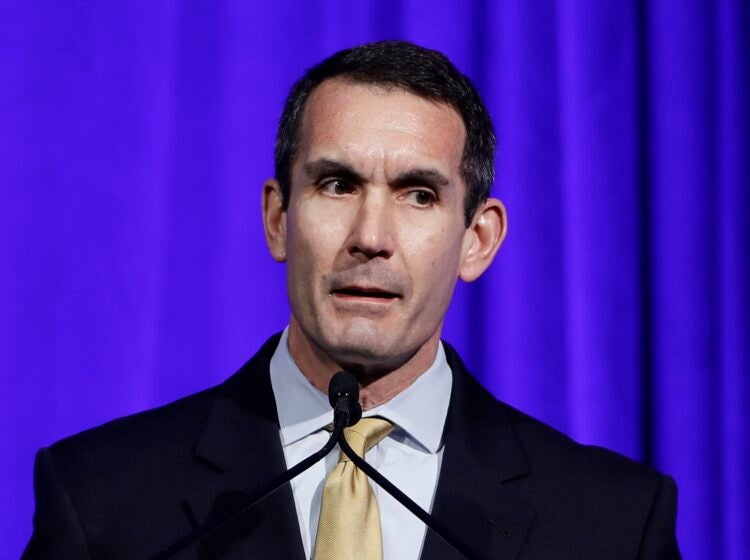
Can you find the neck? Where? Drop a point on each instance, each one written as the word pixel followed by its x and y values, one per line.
pixel 378 383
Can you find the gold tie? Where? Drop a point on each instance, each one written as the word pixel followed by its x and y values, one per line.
pixel 349 526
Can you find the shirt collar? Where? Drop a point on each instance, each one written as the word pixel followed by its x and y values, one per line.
pixel 419 410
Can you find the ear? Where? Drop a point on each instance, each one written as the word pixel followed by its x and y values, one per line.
pixel 274 219
pixel 482 239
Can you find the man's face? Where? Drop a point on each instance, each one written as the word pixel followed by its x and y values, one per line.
pixel 375 231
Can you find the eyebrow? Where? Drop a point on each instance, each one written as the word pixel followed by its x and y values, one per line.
pixel 429 177
pixel 325 167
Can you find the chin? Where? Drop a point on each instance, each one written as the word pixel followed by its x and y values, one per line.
pixel 362 345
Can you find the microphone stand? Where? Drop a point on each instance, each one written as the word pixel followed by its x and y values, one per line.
pixel 441 530
pixel 343 395
pixel 271 486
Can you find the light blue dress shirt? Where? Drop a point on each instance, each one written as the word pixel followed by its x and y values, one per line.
pixel 409 457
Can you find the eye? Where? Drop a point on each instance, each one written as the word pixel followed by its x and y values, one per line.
pixel 337 187
pixel 421 197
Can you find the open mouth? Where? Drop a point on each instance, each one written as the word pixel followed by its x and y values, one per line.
pixel 365 293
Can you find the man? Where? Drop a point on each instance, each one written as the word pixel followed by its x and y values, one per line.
pixel 384 161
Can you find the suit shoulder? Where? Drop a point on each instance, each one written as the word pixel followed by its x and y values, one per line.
pixel 159 433
pixel 542 441
pixel 569 469
pixel 547 451
pixel 593 489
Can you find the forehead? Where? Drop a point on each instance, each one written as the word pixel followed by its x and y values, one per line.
pixel 366 121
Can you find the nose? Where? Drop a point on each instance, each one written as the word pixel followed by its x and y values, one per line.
pixel 372 232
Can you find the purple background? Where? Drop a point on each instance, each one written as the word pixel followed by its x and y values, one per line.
pixel 134 140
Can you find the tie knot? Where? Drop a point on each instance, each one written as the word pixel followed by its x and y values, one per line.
pixel 366 434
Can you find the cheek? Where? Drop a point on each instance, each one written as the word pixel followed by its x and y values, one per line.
pixel 314 236
pixel 434 255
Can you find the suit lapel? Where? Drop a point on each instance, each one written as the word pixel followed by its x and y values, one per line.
pixel 481 454
pixel 240 440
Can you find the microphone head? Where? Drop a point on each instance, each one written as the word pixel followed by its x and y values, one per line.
pixel 343 393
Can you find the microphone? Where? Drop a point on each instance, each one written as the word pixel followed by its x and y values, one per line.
pixel 343 394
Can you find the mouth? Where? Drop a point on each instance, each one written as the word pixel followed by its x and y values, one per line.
pixel 360 293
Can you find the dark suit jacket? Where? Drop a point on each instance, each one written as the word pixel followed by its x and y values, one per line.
pixel 510 486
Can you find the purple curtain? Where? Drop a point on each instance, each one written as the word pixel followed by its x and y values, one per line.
pixel 134 138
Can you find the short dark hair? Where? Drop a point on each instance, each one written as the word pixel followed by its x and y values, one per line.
pixel 400 65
